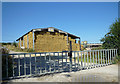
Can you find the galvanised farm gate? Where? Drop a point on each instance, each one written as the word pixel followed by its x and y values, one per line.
pixel 35 64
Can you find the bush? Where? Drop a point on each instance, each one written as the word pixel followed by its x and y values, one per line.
pixel 30 50
pixel 116 59
pixel 5 52
pixel 14 44
pixel 6 43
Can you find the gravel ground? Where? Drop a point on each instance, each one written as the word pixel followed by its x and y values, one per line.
pixel 102 74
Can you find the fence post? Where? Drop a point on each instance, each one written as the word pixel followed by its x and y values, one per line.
pixel 70 57
pixel 66 58
pixel 110 56
pixel 116 52
pixel 30 65
pixel 49 63
pixel 62 61
pixel 54 62
pixel 19 63
pixel 6 66
pixel 40 64
pixel 81 60
pixel 75 59
pixel 87 60
pixel 106 55
pixel 13 64
pixel 58 63
pixel 84 60
pixel 98 59
pixel 35 65
pixel 24 65
pixel 90 59
pixel 45 62
pixel 78 61
pixel 93 59
pixel 101 58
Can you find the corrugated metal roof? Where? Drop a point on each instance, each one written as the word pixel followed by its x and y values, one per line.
pixel 42 29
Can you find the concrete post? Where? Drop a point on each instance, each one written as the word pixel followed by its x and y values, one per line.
pixel 67 38
pixel 23 42
pixel 20 42
pixel 67 41
pixel 70 55
pixel 80 43
pixel 33 39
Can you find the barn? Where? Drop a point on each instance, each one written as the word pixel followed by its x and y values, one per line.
pixel 49 40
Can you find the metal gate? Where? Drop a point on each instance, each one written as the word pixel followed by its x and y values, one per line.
pixel 35 64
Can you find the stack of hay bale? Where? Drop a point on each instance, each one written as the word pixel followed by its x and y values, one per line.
pixel 25 41
pixel 30 37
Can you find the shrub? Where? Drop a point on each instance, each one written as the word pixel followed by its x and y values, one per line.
pixel 5 52
pixel 116 59
pixel 30 50
pixel 14 44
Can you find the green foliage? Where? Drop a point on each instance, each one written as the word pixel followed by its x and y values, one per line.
pixel 97 48
pixel 116 59
pixel 6 43
pixel 14 44
pixel 112 38
pixel 5 51
pixel 30 50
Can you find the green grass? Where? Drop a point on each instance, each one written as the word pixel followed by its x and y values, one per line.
pixel 91 59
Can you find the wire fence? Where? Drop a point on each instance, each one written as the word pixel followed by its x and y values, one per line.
pixel 35 64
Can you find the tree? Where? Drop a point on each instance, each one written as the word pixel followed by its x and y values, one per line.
pixel 15 44
pixel 112 38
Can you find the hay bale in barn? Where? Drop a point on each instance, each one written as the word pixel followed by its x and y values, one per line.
pixel 49 41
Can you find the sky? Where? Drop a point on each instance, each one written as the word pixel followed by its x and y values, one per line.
pixel 88 20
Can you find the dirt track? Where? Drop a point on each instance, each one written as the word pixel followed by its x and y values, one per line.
pixel 102 74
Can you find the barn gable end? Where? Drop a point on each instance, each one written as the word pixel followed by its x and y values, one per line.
pixel 49 40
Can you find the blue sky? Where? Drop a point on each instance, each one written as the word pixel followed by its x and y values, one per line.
pixel 89 20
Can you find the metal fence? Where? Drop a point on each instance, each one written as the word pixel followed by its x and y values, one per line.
pixel 35 64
